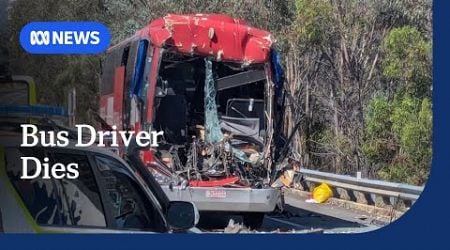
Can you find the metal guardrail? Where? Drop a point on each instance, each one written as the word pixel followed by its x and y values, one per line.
pixel 373 187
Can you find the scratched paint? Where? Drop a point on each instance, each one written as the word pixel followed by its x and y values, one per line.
pixel 221 37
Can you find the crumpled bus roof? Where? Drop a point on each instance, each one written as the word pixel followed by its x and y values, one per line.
pixel 223 37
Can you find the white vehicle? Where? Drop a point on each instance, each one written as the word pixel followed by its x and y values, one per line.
pixel 111 195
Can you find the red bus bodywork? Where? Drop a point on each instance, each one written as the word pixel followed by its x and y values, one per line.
pixel 219 37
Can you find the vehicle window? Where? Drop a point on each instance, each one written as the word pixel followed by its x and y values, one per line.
pixel 42 197
pixel 57 202
pixel 82 194
pixel 130 206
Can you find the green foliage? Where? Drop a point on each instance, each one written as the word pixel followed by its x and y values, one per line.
pixel 415 13
pixel 398 134
pixel 407 119
pixel 415 132
pixel 378 117
pixel 402 169
pixel 377 146
pixel 408 59
pixel 313 21
pixel 404 109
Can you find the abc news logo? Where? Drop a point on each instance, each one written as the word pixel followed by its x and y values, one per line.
pixel 64 38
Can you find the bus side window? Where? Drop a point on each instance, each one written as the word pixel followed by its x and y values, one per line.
pixel 138 67
pixel 114 58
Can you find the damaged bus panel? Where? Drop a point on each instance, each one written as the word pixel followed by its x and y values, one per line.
pixel 210 83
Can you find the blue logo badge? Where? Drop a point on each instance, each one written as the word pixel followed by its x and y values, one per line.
pixel 64 38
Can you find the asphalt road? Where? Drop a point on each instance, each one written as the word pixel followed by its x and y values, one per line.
pixel 299 216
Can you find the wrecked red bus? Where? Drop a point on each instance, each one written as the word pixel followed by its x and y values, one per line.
pixel 213 85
